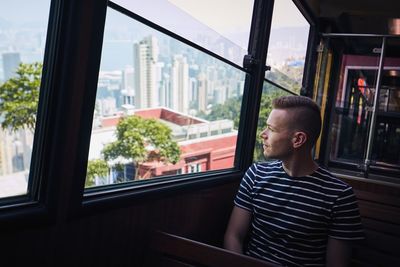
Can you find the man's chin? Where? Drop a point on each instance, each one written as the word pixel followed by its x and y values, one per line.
pixel 268 156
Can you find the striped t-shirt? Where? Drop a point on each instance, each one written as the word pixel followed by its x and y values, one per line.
pixel 294 216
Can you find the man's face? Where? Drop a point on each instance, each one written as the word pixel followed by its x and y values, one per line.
pixel 277 136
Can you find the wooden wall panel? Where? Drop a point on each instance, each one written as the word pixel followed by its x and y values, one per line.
pixel 118 237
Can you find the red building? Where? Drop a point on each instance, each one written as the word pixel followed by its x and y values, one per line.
pixel 204 145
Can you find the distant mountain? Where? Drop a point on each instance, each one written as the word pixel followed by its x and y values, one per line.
pixel 289 34
pixel 285 43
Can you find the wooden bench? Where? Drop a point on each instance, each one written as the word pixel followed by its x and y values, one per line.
pixel 380 212
pixel 381 220
pixel 169 250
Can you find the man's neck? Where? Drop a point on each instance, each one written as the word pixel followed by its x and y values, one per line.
pixel 299 166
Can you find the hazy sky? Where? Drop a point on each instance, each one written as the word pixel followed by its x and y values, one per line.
pixel 286 14
pixel 229 18
pixel 231 15
pixel 24 10
pixel 223 15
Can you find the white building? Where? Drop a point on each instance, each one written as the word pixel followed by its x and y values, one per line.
pixel 15 160
pixel 127 91
pixel 202 97
pixel 145 65
pixel 180 84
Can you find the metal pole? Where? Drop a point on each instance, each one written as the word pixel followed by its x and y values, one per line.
pixel 375 109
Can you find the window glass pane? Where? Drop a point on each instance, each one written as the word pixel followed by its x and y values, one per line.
pixel 268 94
pixel 386 145
pixel 162 108
pixel 221 26
pixel 22 42
pixel 287 45
pixel 354 98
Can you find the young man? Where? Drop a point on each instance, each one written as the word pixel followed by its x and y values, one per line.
pixel 296 213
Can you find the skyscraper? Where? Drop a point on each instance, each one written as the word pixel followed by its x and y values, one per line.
pixel 160 84
pixel 11 61
pixel 145 65
pixel 180 84
pixel 127 91
pixel 202 92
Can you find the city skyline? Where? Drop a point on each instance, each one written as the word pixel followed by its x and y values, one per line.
pixel 187 80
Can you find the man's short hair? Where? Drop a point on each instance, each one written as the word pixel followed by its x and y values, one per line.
pixel 306 115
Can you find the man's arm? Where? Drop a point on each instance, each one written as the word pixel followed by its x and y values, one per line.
pixel 237 229
pixel 338 253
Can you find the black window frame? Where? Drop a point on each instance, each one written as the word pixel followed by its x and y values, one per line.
pixel 120 195
pixel 67 100
pixel 34 204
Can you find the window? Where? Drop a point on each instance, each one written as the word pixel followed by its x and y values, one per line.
pixel 23 36
pixel 349 140
pixel 208 23
pixel 215 132
pixel 196 167
pixel 287 45
pixel 286 55
pixel 160 102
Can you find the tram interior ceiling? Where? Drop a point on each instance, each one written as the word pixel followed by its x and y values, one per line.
pixel 358 16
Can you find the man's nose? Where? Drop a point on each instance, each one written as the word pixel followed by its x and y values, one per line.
pixel 263 134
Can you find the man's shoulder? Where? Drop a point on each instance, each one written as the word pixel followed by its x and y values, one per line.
pixel 270 164
pixel 330 179
pixel 264 169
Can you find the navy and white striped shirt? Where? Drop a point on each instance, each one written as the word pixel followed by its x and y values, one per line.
pixel 294 216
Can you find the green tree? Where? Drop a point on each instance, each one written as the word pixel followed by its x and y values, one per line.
pixel 19 98
pixel 229 110
pixel 95 168
pixel 292 83
pixel 140 140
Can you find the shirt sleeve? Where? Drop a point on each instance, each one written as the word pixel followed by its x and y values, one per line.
pixel 244 196
pixel 345 217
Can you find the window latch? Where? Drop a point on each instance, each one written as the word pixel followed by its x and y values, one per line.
pixel 249 62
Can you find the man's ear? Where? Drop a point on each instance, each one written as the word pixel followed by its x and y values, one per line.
pixel 299 139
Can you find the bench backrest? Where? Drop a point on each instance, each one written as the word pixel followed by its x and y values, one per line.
pixel 173 251
pixel 381 220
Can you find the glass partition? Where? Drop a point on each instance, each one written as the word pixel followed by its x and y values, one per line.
pixel 386 144
pixel 357 86
pixel 354 99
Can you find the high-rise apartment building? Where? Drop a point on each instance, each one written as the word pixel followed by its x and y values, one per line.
pixel 193 94
pixel 127 91
pixel 145 65
pixel 160 84
pixel 202 92
pixel 11 60
pixel 15 151
pixel 180 84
